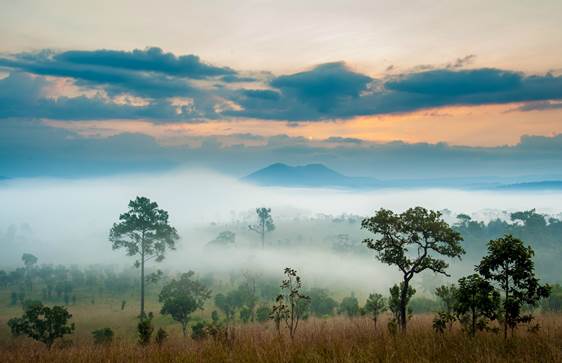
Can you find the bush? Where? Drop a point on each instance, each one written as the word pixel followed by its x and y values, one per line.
pixel 161 336
pixel 199 331
pixel 145 330
pixel 103 336
pixel 262 313
pixel 42 323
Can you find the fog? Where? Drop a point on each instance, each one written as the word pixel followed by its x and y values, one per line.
pixel 68 221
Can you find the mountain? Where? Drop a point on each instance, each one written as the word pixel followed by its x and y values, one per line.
pixel 539 185
pixel 311 175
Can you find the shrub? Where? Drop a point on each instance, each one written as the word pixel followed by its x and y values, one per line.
pixel 103 336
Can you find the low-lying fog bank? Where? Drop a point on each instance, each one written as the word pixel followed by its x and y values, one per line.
pixel 67 221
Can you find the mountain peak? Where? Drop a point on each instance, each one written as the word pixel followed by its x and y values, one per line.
pixel 310 175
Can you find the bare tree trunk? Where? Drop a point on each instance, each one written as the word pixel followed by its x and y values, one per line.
pixel 142 285
pixel 262 234
pixel 505 305
pixel 403 298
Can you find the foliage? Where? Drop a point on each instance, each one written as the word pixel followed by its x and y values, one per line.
pixel 262 313
pixel 291 304
pixel 510 265
pixel 321 303
pixel 181 297
pixel 349 306
pixel 375 306
pixel 199 330
pixel 394 301
pixel 143 231
pixel 224 239
pixel 265 223
pixel 417 229
pixel 145 330
pixel 161 336
pixel 103 336
pixel 42 323
pixel 476 303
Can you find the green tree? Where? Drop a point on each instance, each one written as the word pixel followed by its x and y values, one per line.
pixel 395 301
pixel 448 297
pixel 143 231
pixel 265 223
pixel 103 336
pixel 42 323
pixel 416 230
pixel 145 329
pixel 182 297
pixel 510 265
pixel 476 302
pixel 349 306
pixel 321 304
pixel 375 306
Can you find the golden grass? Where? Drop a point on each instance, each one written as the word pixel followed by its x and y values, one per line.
pixel 331 340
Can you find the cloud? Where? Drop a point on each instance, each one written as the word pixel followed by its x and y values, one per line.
pixel 327 91
pixel 31 148
pixel 150 59
pixel 22 95
pixel 443 82
pixel 461 62
pixel 540 106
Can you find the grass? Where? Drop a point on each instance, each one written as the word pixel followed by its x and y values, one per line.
pixel 336 339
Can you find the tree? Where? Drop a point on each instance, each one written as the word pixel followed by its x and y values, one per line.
pixel 265 223
pixel 224 239
pixel 29 262
pixel 42 323
pixel 349 306
pixel 510 265
pixel 143 231
pixel 476 302
pixel 395 301
pixel 419 230
pixel 145 329
pixel 291 304
pixel 375 306
pixel 321 304
pixel 448 298
pixel 182 297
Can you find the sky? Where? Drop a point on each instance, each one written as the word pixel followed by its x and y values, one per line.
pixel 401 89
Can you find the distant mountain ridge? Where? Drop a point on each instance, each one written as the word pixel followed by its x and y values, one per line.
pixel 311 175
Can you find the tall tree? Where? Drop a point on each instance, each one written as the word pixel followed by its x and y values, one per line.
pixel 265 223
pixel 182 297
pixel 510 265
pixel 29 262
pixel 419 230
pixel 143 231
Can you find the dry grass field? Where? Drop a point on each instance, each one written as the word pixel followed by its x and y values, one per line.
pixel 318 340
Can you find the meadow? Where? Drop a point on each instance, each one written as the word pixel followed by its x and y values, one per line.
pixel 335 339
